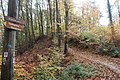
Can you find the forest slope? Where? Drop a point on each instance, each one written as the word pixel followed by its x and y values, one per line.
pixel 107 68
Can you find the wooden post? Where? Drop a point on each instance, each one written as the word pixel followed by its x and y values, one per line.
pixel 9 45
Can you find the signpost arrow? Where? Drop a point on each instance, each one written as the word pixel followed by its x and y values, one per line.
pixel 14 26
pixel 13 23
pixel 13 20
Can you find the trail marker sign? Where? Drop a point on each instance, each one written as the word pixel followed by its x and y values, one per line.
pixel 14 20
pixel 14 24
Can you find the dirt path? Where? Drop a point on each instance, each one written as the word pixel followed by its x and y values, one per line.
pixel 106 66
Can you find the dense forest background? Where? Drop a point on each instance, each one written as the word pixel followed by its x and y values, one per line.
pixel 57 32
pixel 40 17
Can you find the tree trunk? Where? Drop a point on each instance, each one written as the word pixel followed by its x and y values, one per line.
pixel 38 18
pixel 26 29
pixel 32 27
pixel 41 19
pixel 50 13
pixel 111 22
pixel 27 18
pixel 66 27
pixel 2 8
pixel 58 28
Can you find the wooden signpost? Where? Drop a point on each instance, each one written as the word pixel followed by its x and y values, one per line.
pixel 7 68
pixel 11 26
pixel 14 24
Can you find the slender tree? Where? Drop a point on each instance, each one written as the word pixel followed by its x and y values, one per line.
pixel 58 28
pixel 111 22
pixel 41 20
pixel 66 27
pixel 26 28
pixel 27 19
pixel 2 8
pixel 50 13
pixel 32 27
pixel 38 17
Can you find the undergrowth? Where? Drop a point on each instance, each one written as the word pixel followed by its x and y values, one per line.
pixel 76 71
pixel 49 68
pixel 98 40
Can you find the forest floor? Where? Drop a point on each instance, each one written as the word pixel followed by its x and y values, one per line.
pixel 107 68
